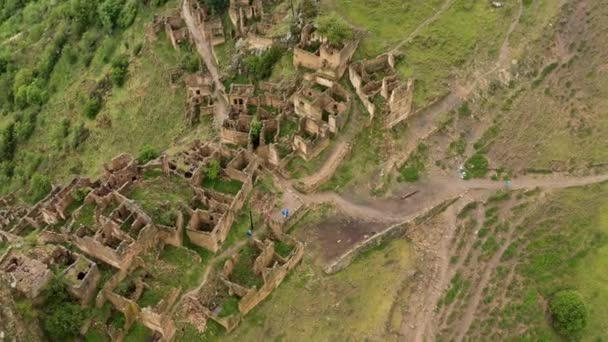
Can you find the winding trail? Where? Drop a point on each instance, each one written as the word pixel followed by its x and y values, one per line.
pixel 422 25
pixel 312 182
pixel 422 123
pixel 204 49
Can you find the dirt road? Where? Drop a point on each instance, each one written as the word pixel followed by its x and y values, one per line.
pixel 204 49
pixel 312 182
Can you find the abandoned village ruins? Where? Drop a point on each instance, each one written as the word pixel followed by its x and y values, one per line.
pixel 114 223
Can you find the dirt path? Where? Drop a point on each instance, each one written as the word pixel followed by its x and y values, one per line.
pixel 312 182
pixel 204 49
pixel 469 314
pixel 422 25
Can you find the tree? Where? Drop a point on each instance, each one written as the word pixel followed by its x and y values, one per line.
pixel 40 186
pixel 92 107
pixel 335 29
pixel 120 69
pixel 147 153
pixel 83 12
pixel 62 316
pixel 569 313
pixel 476 166
pixel 213 170
pixel 218 7
pixel 109 13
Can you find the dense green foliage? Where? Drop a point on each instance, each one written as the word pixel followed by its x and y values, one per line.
pixel 569 313
pixel 213 169
pixel 260 67
pixel 120 68
pixel 62 317
pixel 147 153
pixel 335 29
pixel 476 166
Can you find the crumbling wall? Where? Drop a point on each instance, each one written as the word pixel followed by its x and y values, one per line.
pixel 400 104
pixel 306 59
pixel 357 82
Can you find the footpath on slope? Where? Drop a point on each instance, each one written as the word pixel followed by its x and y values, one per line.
pixel 204 49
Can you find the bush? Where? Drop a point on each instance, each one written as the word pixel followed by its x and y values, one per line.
pixel 335 29
pixel 128 14
pixel 213 170
pixel 190 62
pixel 83 12
pixel 120 69
pixel 109 13
pixel 147 153
pixel 218 7
pixel 476 166
pixel 260 67
pixel 62 316
pixel 569 313
pixel 40 186
pixel 92 107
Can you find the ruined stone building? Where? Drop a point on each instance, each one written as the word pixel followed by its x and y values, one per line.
pixel 157 317
pixel 211 27
pixel 212 212
pixel 323 112
pixel 377 77
pixel 268 265
pixel 316 54
pixel 243 12
pixel 200 100
pixel 254 120
pixel 30 271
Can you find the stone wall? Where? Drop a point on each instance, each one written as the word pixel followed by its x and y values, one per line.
pixel 400 104
pixel 303 58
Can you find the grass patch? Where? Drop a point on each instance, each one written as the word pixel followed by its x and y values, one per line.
pixel 223 185
pixel 160 195
pixel 365 301
pixel 414 166
pixel 243 270
pixel 448 44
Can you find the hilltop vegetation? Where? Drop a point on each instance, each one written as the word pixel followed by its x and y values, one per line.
pixel 80 81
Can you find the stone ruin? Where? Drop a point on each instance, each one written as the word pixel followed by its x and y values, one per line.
pixel 315 53
pixel 157 317
pixel 269 108
pixel 377 76
pixel 263 262
pixel 10 212
pixel 243 13
pixel 200 100
pixel 323 112
pixel 30 271
pixel 212 213
pixel 176 30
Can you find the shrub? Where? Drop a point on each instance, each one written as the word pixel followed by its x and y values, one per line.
pixel 147 153
pixel 334 28
pixel 128 14
pixel 213 170
pixel 476 166
pixel 217 6
pixel 79 135
pixel 92 107
pixel 40 186
pixel 8 143
pixel 109 12
pixel 120 69
pixel 568 313
pixel 62 316
pixel 83 12
pixel 260 67
pixel 190 62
